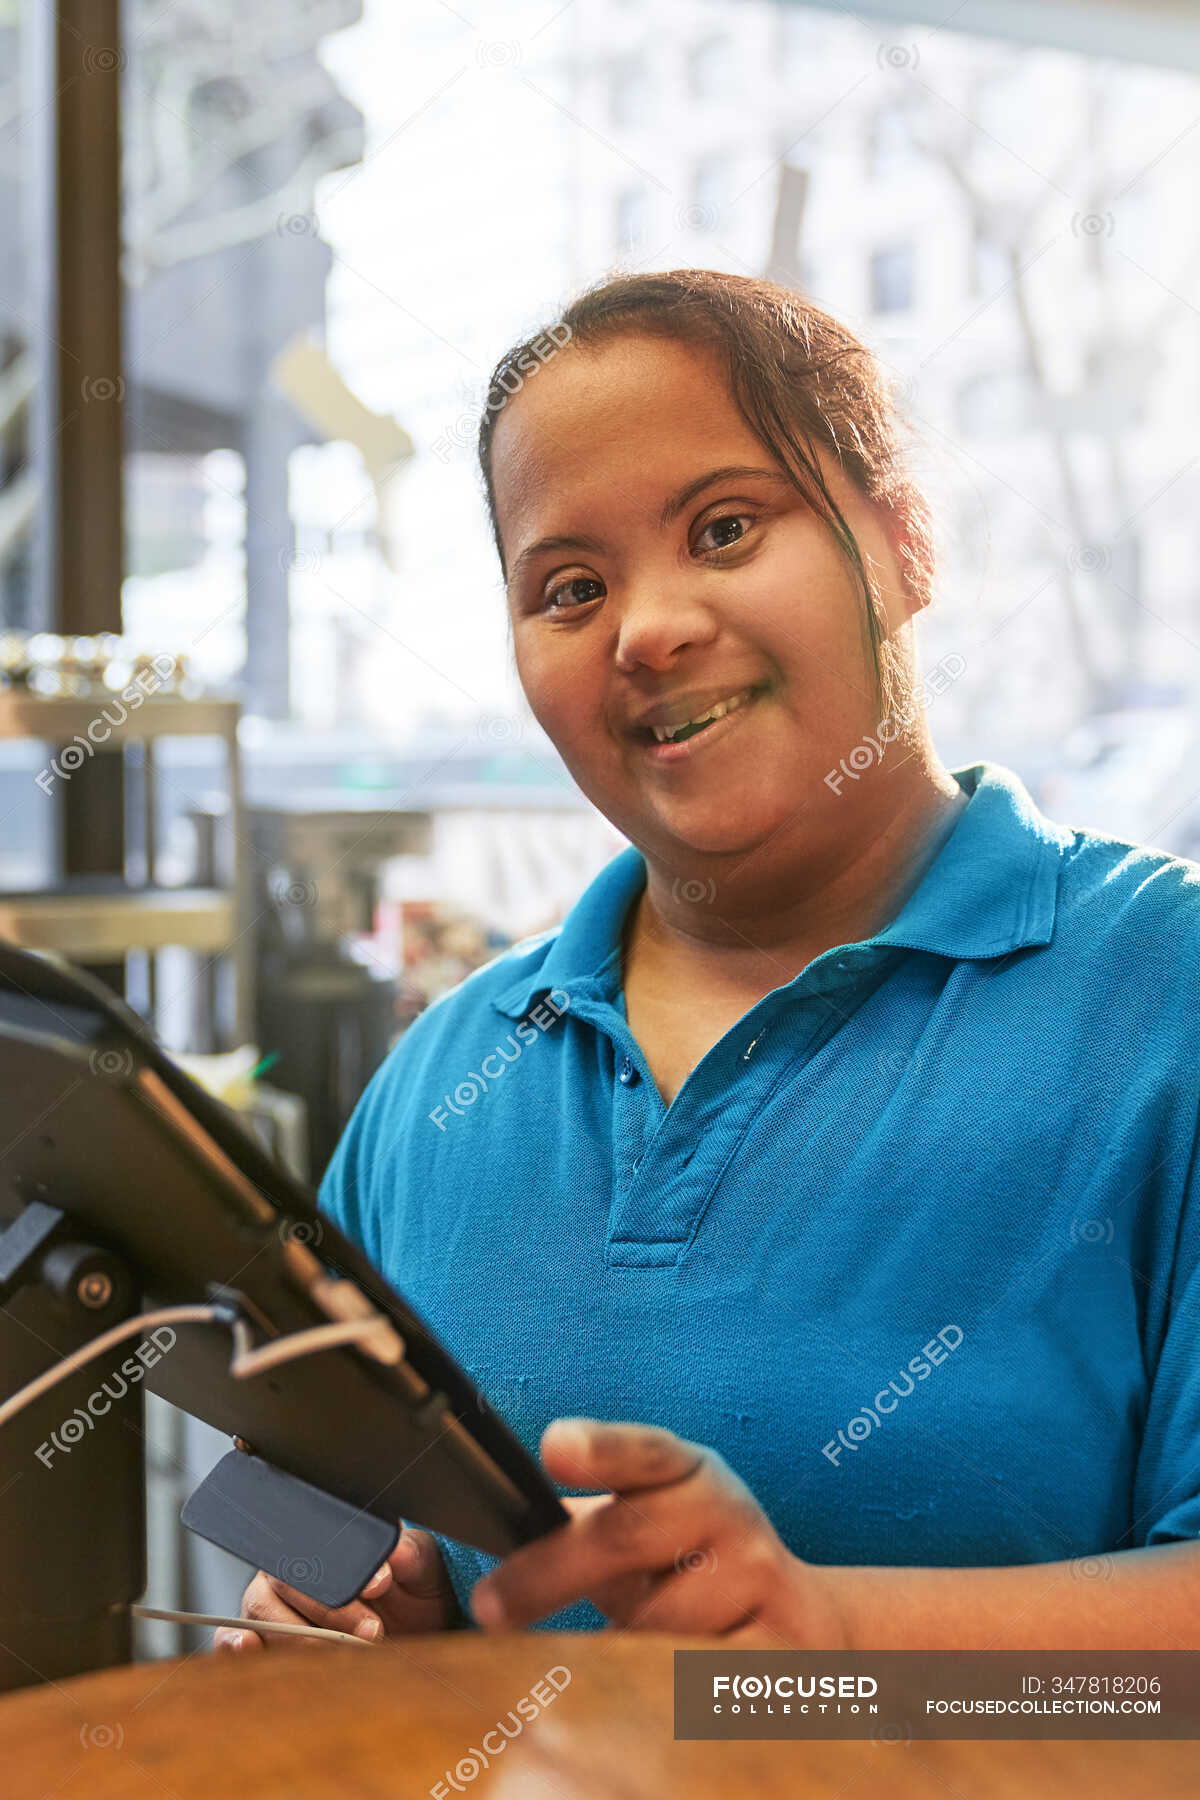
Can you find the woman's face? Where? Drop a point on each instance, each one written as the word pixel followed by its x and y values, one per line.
pixel 661 564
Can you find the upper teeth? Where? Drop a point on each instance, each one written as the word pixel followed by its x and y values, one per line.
pixel 664 733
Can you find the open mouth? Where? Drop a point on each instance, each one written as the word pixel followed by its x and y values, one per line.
pixel 675 734
pixel 666 742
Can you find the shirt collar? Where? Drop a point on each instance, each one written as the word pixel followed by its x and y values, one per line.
pixel 991 889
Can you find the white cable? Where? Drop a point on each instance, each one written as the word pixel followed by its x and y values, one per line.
pixel 259 1625
pixel 167 1315
pixel 245 1362
pixel 306 1343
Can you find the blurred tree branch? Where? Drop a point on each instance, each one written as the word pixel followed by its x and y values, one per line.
pixel 229 123
pixel 1108 395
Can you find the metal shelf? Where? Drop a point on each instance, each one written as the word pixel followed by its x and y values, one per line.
pixel 100 920
pixel 58 721
pixel 96 926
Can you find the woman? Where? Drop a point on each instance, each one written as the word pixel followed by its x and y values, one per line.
pixel 845 1132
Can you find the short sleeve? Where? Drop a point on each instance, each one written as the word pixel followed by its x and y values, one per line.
pixel 1167 1484
pixel 347 1198
pixel 348 1194
pixel 357 1193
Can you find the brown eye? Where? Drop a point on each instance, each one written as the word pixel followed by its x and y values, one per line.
pixel 578 591
pixel 729 529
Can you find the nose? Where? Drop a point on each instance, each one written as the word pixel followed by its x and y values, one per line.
pixel 660 619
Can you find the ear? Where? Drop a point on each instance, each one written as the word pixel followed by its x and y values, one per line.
pixel 902 540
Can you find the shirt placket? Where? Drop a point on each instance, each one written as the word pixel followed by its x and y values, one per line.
pixel 668 1161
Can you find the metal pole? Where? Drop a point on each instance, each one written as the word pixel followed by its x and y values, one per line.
pixel 77 429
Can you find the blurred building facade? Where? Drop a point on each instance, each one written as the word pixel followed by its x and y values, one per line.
pixel 1000 222
pixel 229 120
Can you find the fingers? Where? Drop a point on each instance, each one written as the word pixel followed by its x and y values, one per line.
pixel 380 1581
pixel 421 1598
pixel 416 1565
pixel 226 1638
pixel 623 1600
pixel 410 1592
pixel 593 1453
pixel 695 1599
pixel 619 1539
pixel 679 1511
pixel 269 1599
pixel 274 1599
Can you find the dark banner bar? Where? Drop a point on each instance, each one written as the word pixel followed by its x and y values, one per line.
pixel 896 1696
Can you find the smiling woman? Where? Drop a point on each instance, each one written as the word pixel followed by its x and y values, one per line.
pixel 714 556
pixel 800 381
pixel 850 1064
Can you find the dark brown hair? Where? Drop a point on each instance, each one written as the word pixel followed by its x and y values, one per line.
pixel 800 379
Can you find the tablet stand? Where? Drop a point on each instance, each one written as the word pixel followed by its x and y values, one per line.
pixel 120 1177
pixel 72 1509
pixel 72 1502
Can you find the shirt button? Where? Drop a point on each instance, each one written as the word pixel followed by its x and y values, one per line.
pixel 627 1072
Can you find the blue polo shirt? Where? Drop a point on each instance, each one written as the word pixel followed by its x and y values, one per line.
pixel 916 1245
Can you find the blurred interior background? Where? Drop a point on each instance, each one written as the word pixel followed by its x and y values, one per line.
pixel 255 265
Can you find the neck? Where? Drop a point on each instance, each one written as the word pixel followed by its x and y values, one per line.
pixel 765 914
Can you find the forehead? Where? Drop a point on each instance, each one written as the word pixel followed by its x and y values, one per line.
pixel 629 421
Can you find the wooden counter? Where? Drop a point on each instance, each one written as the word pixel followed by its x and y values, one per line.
pixel 314 1722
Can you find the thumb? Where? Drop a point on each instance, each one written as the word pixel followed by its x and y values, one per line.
pixel 568 1455
pixel 416 1563
pixel 621 1457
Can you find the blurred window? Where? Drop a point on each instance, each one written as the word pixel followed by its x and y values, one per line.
pixel 995 403
pixel 890 147
pixel 990 266
pixel 892 278
pixel 629 95
pixel 632 218
pixel 710 67
pixel 711 191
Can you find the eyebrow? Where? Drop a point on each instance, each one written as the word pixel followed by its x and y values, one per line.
pixel 556 543
pixel 670 512
pixel 734 472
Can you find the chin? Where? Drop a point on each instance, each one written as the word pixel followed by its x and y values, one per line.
pixel 731 822
pixel 734 827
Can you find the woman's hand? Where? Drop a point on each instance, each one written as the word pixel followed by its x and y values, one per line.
pixel 410 1593
pixel 678 1544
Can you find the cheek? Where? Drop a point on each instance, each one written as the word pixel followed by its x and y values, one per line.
pixel 559 681
pixel 805 611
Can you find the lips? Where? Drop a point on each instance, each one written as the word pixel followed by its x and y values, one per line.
pixel 662 723
pixel 694 739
